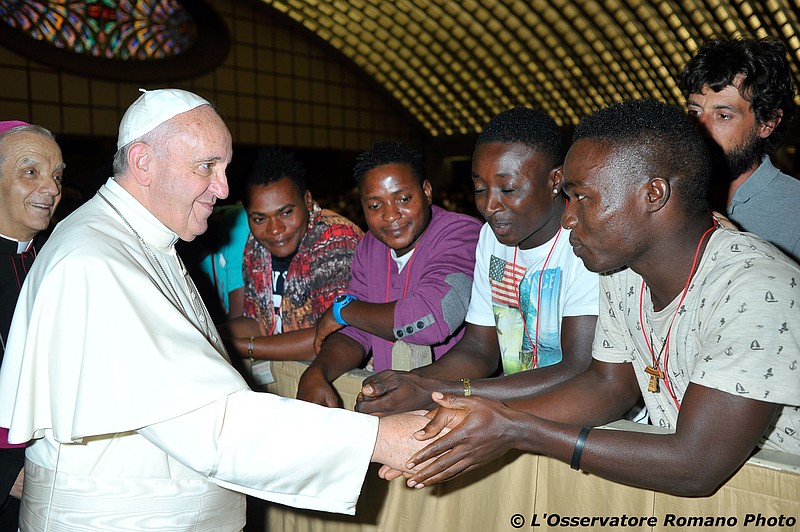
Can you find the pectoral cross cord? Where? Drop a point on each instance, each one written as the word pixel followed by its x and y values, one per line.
pixel 654 369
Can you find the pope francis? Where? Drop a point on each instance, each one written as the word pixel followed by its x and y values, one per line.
pixel 117 377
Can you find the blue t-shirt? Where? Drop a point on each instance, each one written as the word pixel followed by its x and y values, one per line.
pixel 224 265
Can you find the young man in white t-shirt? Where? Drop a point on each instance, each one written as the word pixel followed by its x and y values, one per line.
pixel 534 305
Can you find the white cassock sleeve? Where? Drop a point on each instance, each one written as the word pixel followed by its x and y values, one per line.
pixel 282 450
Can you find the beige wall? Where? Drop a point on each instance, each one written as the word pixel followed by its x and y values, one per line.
pixel 278 85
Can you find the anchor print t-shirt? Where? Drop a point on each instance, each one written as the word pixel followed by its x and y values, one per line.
pixel 737 330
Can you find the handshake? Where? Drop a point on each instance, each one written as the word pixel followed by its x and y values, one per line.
pixel 428 437
pixel 428 447
pixel 401 443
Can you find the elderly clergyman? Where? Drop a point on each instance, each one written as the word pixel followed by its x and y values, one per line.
pixel 117 375
pixel 31 170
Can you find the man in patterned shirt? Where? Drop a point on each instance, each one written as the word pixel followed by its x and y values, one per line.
pixel 296 261
pixel 699 320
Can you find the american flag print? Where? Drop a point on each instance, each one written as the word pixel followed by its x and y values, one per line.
pixel 504 278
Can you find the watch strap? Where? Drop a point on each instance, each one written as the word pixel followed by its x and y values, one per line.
pixel 338 304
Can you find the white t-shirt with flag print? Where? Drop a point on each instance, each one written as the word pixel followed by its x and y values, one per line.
pixel 504 289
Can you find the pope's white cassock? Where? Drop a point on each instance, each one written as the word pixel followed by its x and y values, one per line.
pixel 138 420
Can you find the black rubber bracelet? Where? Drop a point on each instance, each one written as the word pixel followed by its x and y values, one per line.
pixel 575 463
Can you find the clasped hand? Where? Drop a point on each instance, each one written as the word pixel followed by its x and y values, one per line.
pixel 466 432
pixel 392 392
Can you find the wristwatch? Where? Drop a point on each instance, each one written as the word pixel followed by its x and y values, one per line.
pixel 338 304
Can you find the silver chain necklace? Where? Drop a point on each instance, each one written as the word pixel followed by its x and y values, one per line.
pixel 150 252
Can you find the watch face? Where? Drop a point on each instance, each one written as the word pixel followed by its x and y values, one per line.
pixel 340 298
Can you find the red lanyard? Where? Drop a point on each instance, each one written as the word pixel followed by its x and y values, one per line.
pixel 389 272
pixel 534 345
pixel 665 348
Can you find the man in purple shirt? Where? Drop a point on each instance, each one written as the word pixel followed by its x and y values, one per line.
pixel 410 281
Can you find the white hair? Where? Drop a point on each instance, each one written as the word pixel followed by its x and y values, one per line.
pixel 27 128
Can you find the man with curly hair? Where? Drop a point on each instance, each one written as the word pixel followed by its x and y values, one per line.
pixel 740 93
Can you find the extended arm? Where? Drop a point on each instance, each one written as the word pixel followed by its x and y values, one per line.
pixel 681 463
pixel 374 318
pixel 339 355
pixel 292 345
pixel 576 339
pixel 475 356
pixel 317 459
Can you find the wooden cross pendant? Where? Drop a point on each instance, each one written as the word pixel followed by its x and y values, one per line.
pixel 655 374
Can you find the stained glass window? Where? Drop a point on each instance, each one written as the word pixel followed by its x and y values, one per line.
pixel 124 40
pixel 128 30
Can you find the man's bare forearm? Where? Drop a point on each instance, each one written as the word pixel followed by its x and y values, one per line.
pixel 475 356
pixel 374 318
pixel 339 354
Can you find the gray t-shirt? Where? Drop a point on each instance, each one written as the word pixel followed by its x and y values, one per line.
pixel 766 204
pixel 738 331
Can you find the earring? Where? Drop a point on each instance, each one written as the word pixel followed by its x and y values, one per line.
pixel 555 191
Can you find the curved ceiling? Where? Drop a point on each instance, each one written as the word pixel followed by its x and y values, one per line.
pixel 455 64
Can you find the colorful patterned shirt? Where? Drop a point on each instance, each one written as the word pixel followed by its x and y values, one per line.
pixel 319 271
